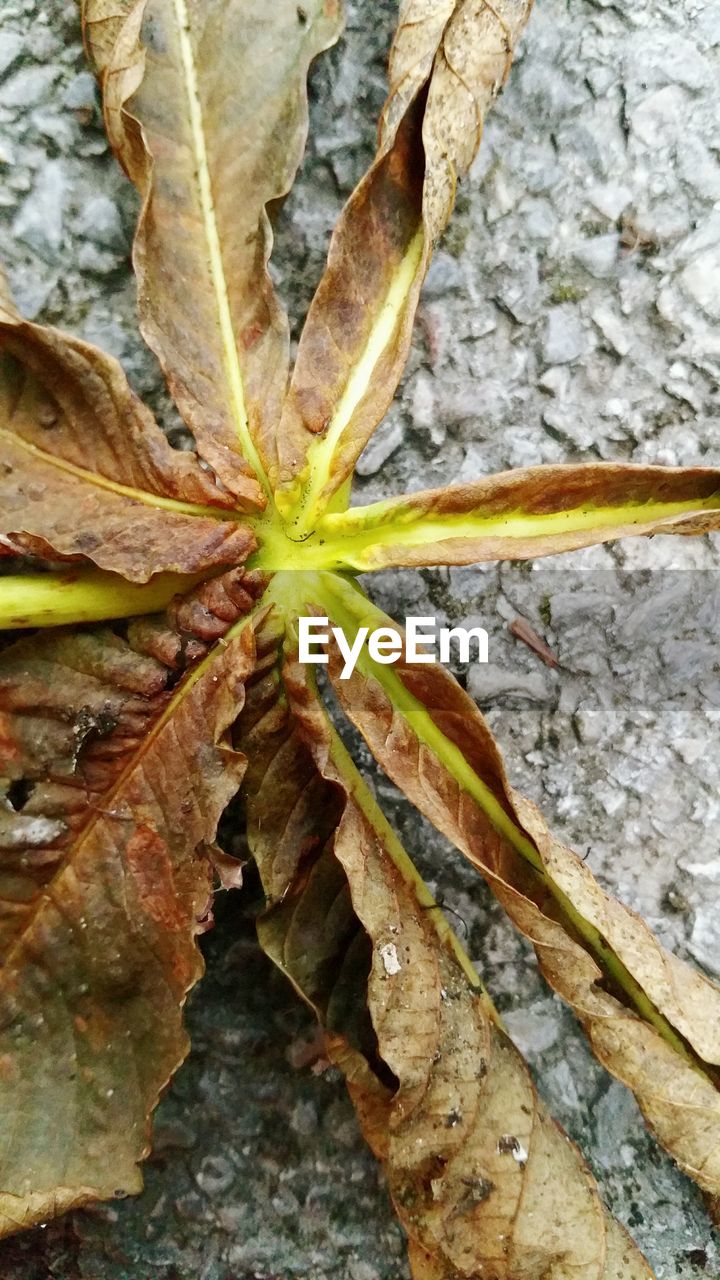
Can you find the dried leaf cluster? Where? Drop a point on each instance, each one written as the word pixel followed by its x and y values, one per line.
pixel 122 744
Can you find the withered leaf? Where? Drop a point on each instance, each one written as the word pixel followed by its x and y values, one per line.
pixel 652 1020
pixel 448 62
pixel 483 1181
pixel 113 783
pixel 86 472
pixel 523 514
pixel 206 109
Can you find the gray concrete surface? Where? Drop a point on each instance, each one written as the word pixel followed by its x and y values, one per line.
pixel 571 314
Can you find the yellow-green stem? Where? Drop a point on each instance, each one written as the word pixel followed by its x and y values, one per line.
pixel 58 599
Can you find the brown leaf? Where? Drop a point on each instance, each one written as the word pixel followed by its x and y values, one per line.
pixel 206 109
pixel 57 389
pixel 652 1020
pixel 483 1181
pixel 523 514
pixel 114 784
pixel 86 472
pixel 447 64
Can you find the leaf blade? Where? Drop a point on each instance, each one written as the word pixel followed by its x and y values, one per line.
pixel 57 388
pixel 103 890
pixel 88 473
pixel 652 1020
pixel 524 514
pixel 207 178
pixel 348 921
pixel 357 334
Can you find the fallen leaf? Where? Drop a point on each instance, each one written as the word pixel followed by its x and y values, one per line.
pixel 481 1178
pixel 115 741
pixel 524 514
pixel 206 108
pixel 448 62
pixel 114 782
pixel 120 496
pixel 651 1019
pixel 522 630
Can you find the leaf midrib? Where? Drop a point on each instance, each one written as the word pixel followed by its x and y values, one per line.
pixel 395 523
pixel 323 450
pixel 148 499
pixel 228 340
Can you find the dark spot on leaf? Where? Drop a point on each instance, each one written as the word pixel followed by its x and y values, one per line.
pixel 90 725
pixel 418 1188
pixel 478 1189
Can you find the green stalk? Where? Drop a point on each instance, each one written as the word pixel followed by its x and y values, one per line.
pixel 58 599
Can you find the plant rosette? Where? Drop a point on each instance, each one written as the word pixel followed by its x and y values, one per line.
pixel 158 673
